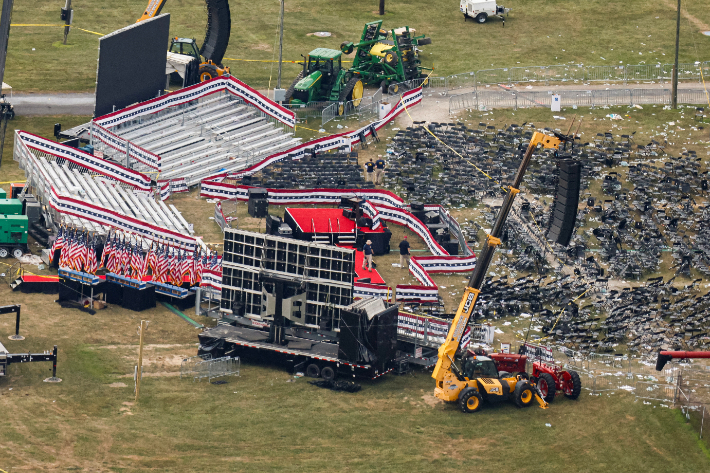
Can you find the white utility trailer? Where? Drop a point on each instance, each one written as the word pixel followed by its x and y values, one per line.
pixel 481 10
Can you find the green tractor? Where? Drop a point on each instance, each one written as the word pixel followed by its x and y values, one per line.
pixel 323 79
pixel 386 57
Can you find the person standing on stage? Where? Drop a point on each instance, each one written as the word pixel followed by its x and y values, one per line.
pixel 367 259
pixel 380 171
pixel 404 252
pixel 369 171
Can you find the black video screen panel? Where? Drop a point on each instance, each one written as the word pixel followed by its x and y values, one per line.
pixel 132 64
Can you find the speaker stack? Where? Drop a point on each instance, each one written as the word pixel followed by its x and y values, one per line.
pixel 564 214
pixel 272 224
pixel 258 206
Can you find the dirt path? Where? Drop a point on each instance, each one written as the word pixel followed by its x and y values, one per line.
pixel 673 6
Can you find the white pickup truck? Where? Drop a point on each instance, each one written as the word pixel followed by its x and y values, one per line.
pixel 481 10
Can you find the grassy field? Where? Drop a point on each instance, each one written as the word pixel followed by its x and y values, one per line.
pixel 266 420
pixel 537 32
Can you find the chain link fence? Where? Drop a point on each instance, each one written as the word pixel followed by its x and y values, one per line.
pixel 488 99
pixel 558 74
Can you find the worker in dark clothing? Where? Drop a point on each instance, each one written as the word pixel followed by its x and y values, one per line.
pixel 380 171
pixel 367 260
pixel 404 252
pixel 369 171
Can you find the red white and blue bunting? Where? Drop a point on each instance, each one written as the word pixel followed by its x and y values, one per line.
pixel 419 266
pixel 91 163
pixel 203 89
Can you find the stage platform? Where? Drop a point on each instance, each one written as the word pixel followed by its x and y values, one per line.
pixel 326 221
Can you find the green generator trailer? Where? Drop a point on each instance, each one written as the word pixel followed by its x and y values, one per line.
pixel 13 235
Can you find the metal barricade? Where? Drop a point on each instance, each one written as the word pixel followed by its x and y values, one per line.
pixel 187 367
pixel 329 113
pixel 216 368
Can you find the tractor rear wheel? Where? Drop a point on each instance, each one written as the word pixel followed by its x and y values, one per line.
pixel 352 91
pixel 573 386
pixel 207 72
pixel 470 401
pixel 523 394
pixel 289 91
pixel 546 383
pixel 424 41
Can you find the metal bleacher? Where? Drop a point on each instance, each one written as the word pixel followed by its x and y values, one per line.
pixel 72 180
pixel 206 136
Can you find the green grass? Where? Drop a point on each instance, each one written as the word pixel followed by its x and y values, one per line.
pixel 261 422
pixel 537 32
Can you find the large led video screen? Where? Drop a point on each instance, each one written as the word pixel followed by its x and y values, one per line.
pixel 132 64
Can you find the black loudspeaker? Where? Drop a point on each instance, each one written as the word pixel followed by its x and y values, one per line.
pixel 452 247
pixel 69 290
pixel 272 224
pixel 564 214
pixel 258 193
pixel 258 208
pixel 114 294
pixel 417 207
pixel 431 218
pixel 138 299
pixel 348 213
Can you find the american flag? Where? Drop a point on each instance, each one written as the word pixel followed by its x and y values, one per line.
pixel 66 249
pixel 58 243
pixel 136 261
pixel 82 252
pixel 106 251
pixel 145 263
pixel 196 258
pixel 216 262
pixel 162 264
pixel 111 257
pixel 91 266
pixel 124 268
pixel 185 265
pixel 174 268
pixel 74 250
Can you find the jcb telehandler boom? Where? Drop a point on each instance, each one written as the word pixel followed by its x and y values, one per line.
pixel 454 384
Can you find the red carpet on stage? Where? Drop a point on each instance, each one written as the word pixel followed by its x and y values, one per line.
pixel 326 221
pixel 30 278
pixel 374 276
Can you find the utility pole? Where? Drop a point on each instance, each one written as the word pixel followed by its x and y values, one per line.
pixel 281 44
pixel 382 7
pixel 674 93
pixel 66 16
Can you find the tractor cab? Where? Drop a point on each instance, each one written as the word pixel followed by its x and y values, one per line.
pixel 185 46
pixel 322 71
pixel 475 367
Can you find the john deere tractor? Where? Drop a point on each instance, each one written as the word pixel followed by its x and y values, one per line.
pixel 382 58
pixel 323 79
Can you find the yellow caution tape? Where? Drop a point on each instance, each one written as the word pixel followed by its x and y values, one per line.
pixel 57 26
pixel 12 182
pixel 310 129
pixel 263 60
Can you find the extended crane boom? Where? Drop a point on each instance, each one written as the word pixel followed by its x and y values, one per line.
pixel 666 356
pixel 448 349
pixel 152 10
